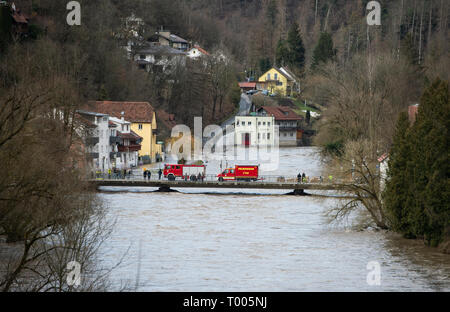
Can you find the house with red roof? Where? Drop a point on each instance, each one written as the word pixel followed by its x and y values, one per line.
pixel 143 122
pixel 288 121
pixel 197 52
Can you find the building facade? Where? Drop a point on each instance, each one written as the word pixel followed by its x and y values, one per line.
pixel 127 144
pixel 95 131
pixel 143 122
pixel 289 123
pixel 254 131
pixel 278 81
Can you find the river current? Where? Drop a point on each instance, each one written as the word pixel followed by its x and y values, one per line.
pixel 257 240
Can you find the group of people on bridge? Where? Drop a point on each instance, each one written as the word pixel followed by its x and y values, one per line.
pixel 148 174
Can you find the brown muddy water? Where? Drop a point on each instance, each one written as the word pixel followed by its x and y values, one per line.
pixel 257 240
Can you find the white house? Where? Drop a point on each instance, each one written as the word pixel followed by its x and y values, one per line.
pixel 197 52
pixel 254 130
pixel 159 56
pixel 127 144
pixel 96 133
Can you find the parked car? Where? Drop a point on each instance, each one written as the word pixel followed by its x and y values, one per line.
pixel 265 92
pixel 251 92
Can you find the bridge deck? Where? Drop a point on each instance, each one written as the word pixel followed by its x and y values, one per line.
pixel 216 184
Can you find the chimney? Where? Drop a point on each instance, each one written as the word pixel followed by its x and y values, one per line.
pixel 123 116
pixel 413 110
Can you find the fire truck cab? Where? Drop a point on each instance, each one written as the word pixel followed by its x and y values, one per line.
pixel 172 172
pixel 239 173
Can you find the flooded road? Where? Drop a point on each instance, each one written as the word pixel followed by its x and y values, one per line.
pixel 260 241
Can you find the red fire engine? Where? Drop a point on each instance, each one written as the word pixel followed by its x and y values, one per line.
pixel 172 172
pixel 240 173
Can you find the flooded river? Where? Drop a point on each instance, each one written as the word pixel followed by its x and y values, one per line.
pixel 251 240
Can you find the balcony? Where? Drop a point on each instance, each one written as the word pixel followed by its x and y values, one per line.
pixel 114 140
pixel 288 128
pixel 92 140
pixel 129 148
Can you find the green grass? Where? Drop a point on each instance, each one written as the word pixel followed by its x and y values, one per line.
pixel 301 107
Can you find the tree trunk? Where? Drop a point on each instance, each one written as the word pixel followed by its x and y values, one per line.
pixel 420 33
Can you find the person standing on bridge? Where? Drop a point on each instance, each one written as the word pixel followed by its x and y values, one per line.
pixel 159 174
pixel 304 177
pixel 149 175
pixel 299 177
pixel 145 173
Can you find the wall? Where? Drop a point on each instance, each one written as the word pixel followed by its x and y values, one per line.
pixel 146 134
pixel 272 87
pixel 254 129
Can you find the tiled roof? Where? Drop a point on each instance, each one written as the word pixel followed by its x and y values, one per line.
pixel 133 111
pixel 282 71
pixel 201 50
pixel 174 38
pixel 19 18
pixel 383 157
pixel 159 50
pixel 247 84
pixel 281 112
pixel 131 136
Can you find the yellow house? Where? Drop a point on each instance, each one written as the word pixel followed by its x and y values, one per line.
pixel 143 122
pixel 278 80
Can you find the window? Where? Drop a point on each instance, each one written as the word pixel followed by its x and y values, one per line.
pixel 243 123
pixel 268 76
pixel 268 124
pixel 259 136
pixel 264 136
pixel 249 123
pixel 268 136
pixel 264 123
pixel 140 127
pixel 276 77
pixel 142 56
pixel 259 123
pixel 237 123
pixel 285 134
pixel 292 134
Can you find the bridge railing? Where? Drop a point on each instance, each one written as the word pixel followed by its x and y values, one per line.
pixel 213 178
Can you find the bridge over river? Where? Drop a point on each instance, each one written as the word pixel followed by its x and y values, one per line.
pixel 273 183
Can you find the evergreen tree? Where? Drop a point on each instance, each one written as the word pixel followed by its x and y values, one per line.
pixel 282 53
pixel 296 49
pixel 417 193
pixel 265 64
pixel 324 50
pixel 396 193
pixel 431 183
